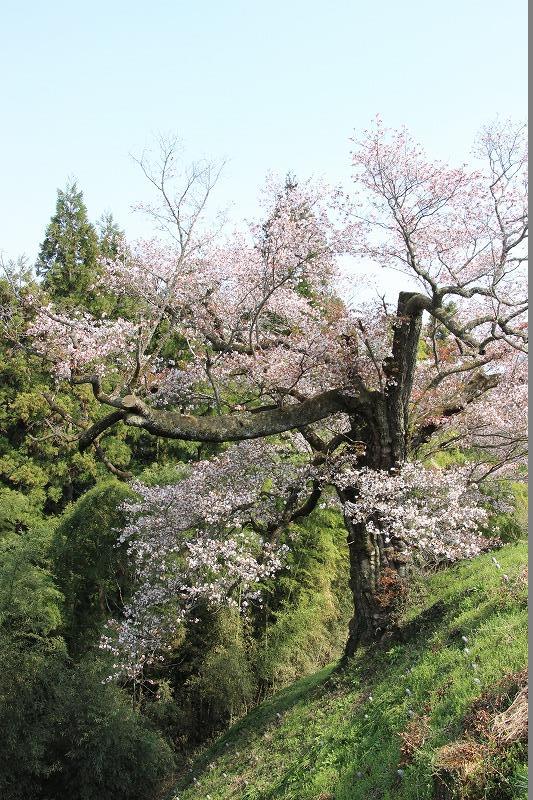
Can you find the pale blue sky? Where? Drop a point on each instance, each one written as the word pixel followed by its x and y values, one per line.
pixel 277 85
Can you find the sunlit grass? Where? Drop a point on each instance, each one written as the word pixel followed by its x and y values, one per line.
pixel 335 735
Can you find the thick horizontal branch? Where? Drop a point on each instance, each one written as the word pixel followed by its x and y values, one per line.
pixel 419 302
pixel 246 425
pixel 91 434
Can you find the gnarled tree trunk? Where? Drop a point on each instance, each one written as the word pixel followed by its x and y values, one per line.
pixel 378 574
pixel 377 582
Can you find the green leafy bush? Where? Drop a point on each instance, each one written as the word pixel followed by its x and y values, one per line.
pixel 64 732
pixel 309 605
pixel 91 571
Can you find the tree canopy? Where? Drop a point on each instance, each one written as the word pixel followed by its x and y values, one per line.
pixel 247 335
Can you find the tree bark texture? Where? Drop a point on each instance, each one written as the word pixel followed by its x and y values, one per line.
pixel 378 575
pixel 377 583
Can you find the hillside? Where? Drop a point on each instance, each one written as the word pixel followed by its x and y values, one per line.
pixel 403 721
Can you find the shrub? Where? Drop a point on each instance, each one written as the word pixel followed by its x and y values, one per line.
pixel 65 733
pixel 91 571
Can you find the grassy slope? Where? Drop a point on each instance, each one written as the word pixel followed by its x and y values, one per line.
pixel 335 736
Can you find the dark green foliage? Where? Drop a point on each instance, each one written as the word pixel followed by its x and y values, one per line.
pixel 66 733
pixel 211 678
pixel 30 603
pixel 71 254
pixel 27 691
pixel 308 605
pixel 107 749
pixel 32 460
pixel 109 236
pixel 91 571
pixel 225 682
pixel 68 259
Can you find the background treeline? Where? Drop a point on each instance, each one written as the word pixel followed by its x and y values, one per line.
pixel 65 729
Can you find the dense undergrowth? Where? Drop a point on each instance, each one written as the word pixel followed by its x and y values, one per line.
pixel 408 720
pixel 64 729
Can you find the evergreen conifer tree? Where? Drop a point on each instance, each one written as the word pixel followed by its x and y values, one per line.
pixel 109 236
pixel 68 258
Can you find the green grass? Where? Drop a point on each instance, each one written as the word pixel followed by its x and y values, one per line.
pixel 335 735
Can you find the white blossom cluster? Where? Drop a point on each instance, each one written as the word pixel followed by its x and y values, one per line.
pixel 193 543
pixel 434 514
pixel 74 344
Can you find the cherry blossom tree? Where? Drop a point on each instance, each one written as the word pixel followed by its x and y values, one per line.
pixel 210 538
pixel 263 343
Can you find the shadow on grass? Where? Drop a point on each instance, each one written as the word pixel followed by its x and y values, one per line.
pixel 254 724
